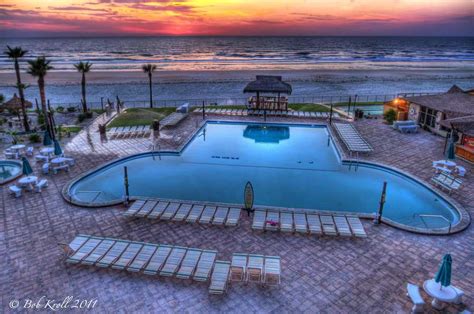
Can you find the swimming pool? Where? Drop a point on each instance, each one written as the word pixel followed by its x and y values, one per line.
pixel 291 166
pixel 9 170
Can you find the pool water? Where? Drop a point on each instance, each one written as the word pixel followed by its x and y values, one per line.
pixel 368 109
pixel 9 170
pixel 291 166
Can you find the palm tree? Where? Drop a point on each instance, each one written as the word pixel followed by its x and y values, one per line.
pixel 83 67
pixel 15 54
pixel 39 68
pixel 149 68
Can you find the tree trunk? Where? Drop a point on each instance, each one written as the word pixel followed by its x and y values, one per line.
pixel 151 90
pixel 26 125
pixel 83 85
pixel 43 104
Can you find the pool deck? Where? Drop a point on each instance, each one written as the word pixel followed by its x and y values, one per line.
pixel 329 274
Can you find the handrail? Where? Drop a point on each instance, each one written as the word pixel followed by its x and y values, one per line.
pixel 98 194
pixel 433 216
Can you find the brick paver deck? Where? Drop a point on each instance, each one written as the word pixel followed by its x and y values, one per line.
pixel 331 275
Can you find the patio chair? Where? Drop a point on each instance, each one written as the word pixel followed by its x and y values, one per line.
pixel 272 222
pixel 219 278
pixel 158 260
pixel 327 222
pixel 41 158
pixel 170 211
pixel 195 213
pixel 41 185
pixel 98 252
pixel 173 261
pixel 342 226
pixel 259 217
pixel 158 210
pixel 207 214
pixel 127 257
pixel 233 217
pixel 142 259
pixel 189 264
pixel 356 226
pixel 301 225
pixel 286 224
pixel 220 216
pixel 238 267
pixel 460 170
pixel 182 212
pixel 29 151
pixel 272 271
pixel 62 167
pixel 204 266
pixel 45 168
pixel 136 206
pixel 15 190
pixel 413 292
pixel 255 268
pixel 113 254
pixel 147 208
pixel 314 224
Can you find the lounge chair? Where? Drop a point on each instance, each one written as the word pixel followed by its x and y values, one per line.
pixel 173 261
pixel 207 214
pixel 286 222
pixel 84 250
pixel 447 182
pixel 113 254
pixel 128 256
pixel 146 209
pixel 158 210
pixel 136 206
pixel 259 217
pixel 41 185
pixel 255 268
pixel 272 222
pixel 301 225
pixel 329 228
pixel 189 264
pixel 233 217
pixel 314 224
pixel 342 226
pixel 142 259
pixel 272 271
pixel 170 211
pixel 15 190
pixel 413 292
pixel 182 212
pixel 238 267
pixel 98 252
pixel 204 266
pixel 219 277
pixel 158 260
pixel 220 216
pixel 195 213
pixel 356 226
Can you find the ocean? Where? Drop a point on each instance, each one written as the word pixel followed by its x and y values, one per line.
pixel 432 64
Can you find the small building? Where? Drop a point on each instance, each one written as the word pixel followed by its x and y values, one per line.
pixel 463 126
pixel 268 90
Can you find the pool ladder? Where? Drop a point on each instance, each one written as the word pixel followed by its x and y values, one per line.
pixel 433 216
pixel 153 149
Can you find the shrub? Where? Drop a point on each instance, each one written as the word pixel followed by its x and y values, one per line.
pixel 88 114
pixel 390 116
pixel 71 109
pixel 60 109
pixel 34 138
pixel 81 117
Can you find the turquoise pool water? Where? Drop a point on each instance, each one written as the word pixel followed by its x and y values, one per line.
pixel 293 166
pixel 9 170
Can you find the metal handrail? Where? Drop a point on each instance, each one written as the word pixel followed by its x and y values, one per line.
pixel 98 194
pixel 433 216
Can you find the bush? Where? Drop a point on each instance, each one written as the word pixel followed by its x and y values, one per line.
pixel 60 109
pixel 81 117
pixel 88 114
pixel 71 109
pixel 390 116
pixel 34 138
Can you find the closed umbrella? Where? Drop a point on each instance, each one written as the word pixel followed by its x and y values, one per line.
pixel 450 155
pixel 47 139
pixel 57 148
pixel 27 170
pixel 443 276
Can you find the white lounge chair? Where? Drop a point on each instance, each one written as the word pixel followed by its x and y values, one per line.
pixel 15 190
pixel 413 292
pixel 41 185
pixel 219 278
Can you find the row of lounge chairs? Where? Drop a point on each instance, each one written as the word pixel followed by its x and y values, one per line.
pixel 129 131
pixel 248 112
pixel 447 182
pixel 173 119
pixel 306 222
pixel 185 212
pixel 351 138
pixel 255 268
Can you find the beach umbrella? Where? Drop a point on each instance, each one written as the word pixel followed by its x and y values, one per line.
pixel 47 139
pixel 450 154
pixel 57 148
pixel 27 170
pixel 443 276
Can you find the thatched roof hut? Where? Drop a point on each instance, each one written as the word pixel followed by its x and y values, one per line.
pixel 465 124
pixel 268 84
pixel 15 104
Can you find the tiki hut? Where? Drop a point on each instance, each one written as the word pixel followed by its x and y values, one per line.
pixel 14 104
pixel 268 84
pixel 463 126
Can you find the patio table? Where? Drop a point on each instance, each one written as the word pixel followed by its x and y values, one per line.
pixel 17 147
pixel 439 294
pixel 58 160
pixel 28 181
pixel 47 150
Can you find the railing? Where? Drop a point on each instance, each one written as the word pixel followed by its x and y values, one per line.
pixel 422 216
pixel 98 193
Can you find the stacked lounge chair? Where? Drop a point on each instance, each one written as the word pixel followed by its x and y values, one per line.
pixel 129 132
pixel 220 277
pixel 255 268
pixel 352 139
pixel 447 182
pixel 408 126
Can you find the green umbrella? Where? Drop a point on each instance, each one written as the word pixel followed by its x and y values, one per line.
pixel 57 148
pixel 27 170
pixel 443 276
pixel 47 139
pixel 450 155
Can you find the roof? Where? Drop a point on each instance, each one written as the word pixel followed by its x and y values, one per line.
pixel 268 84
pixel 464 124
pixel 455 102
pixel 15 103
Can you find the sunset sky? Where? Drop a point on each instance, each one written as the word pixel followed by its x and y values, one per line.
pixel 25 18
